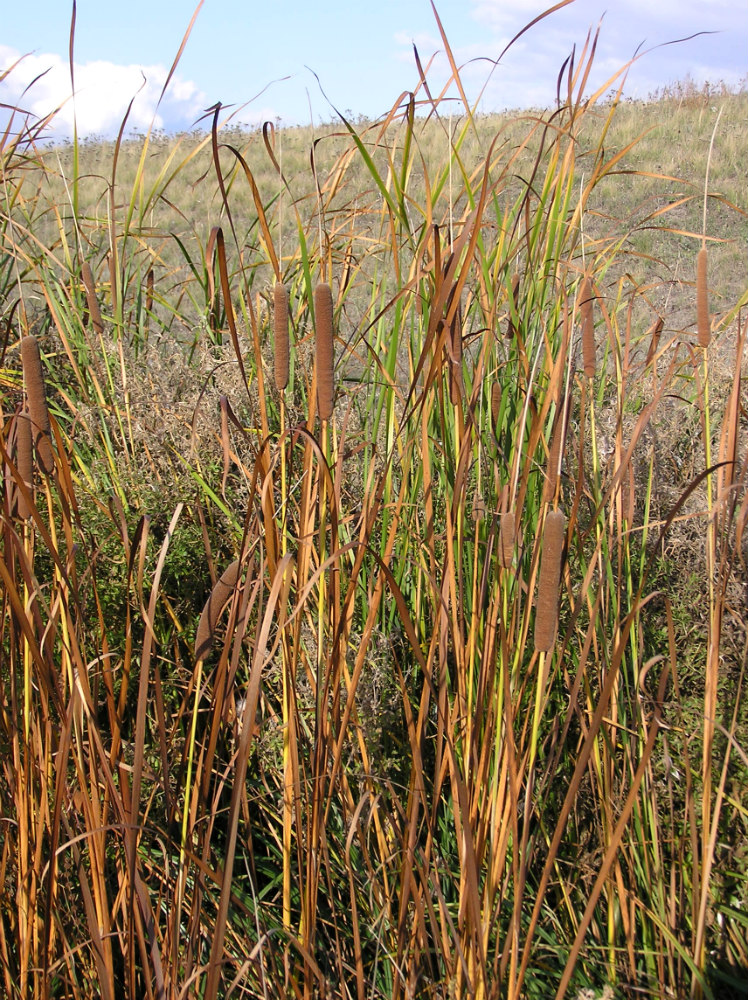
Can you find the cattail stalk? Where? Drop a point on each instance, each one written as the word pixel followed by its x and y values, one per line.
pixel 280 327
pixel 546 617
pixel 702 299
pixel 91 300
pixel 215 604
pixel 325 353
pixel 37 401
pixel 586 303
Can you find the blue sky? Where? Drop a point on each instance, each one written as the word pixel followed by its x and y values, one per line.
pixel 261 57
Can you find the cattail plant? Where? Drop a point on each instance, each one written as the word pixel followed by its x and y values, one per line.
pixel 91 300
pixel 325 356
pixel 586 303
pixel 550 575
pixel 215 604
pixel 280 327
pixel 507 530
pixel 495 406
pixel 24 461
pixel 702 299
pixel 37 401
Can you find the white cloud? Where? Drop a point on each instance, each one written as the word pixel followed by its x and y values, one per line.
pixel 40 83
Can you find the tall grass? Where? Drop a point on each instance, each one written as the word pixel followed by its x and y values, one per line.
pixel 379 676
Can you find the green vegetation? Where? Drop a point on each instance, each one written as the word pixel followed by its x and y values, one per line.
pixel 440 696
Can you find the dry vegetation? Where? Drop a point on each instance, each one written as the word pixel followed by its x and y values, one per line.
pixel 374 557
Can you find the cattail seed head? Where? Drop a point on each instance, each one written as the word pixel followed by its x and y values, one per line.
pixel 702 299
pixel 507 532
pixel 280 328
pixel 586 303
pixel 24 461
pixel 215 604
pixel 546 615
pixel 325 352
pixel 495 405
pixel 37 401
pixel 91 301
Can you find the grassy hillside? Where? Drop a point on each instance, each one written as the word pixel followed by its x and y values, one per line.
pixel 374 557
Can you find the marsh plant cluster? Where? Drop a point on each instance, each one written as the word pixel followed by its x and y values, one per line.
pixel 373 550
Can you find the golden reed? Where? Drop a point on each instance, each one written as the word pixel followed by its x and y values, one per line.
pixel 280 328
pixel 37 402
pixel 546 617
pixel 325 352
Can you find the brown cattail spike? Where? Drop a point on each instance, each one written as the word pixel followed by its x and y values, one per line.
pixel 37 400
pixel 586 302
pixel 280 327
pixel 24 461
pixel 507 531
pixel 702 300
pixel 215 604
pixel 495 406
pixel 325 355
pixel 91 301
pixel 550 575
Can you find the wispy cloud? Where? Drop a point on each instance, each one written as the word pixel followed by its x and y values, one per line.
pixel 40 83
